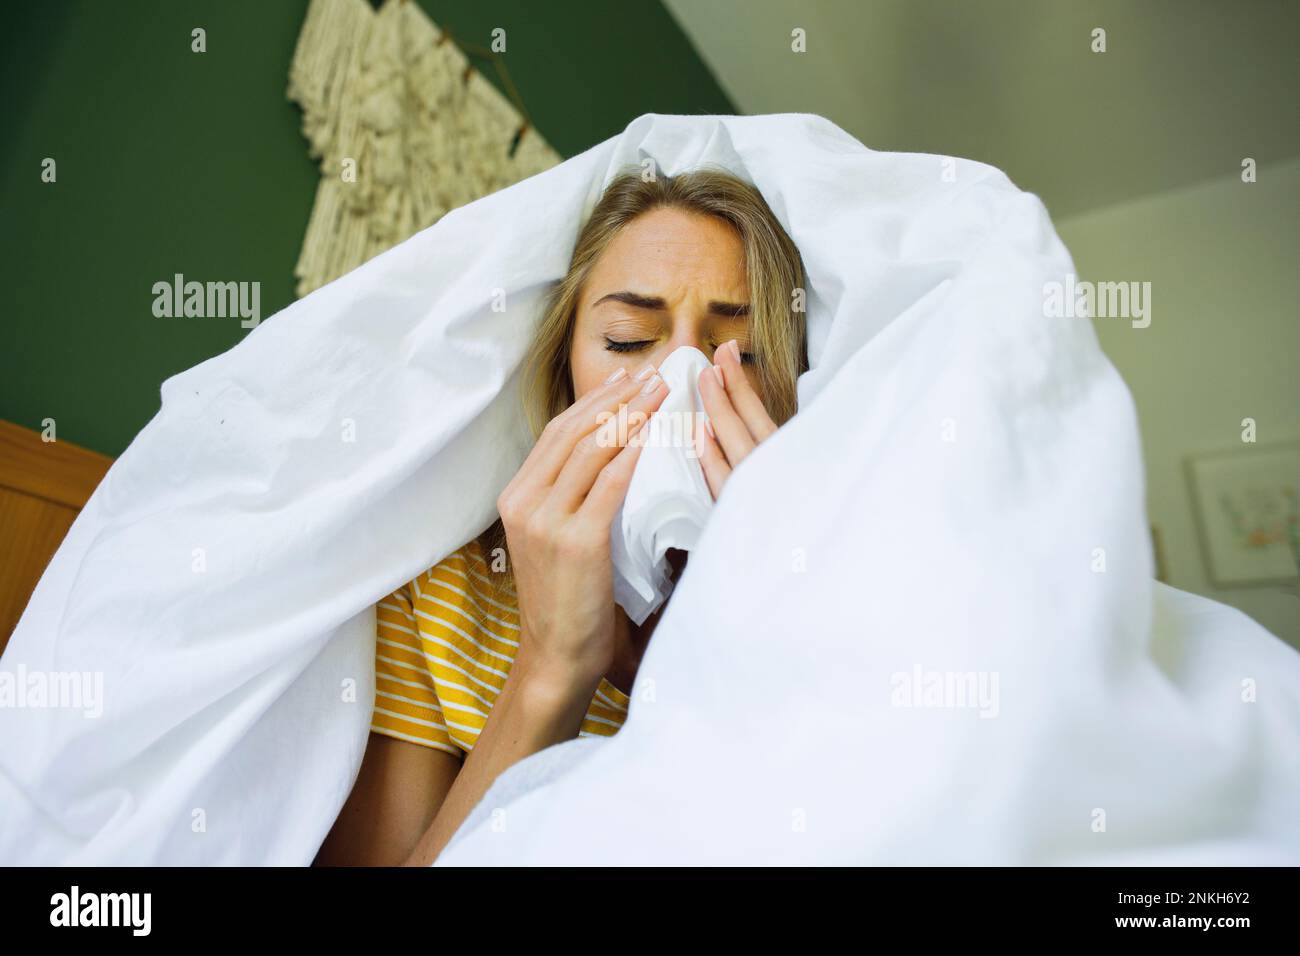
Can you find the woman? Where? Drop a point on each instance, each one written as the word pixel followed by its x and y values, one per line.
pixel 482 661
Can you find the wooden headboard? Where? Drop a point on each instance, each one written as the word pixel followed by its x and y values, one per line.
pixel 42 487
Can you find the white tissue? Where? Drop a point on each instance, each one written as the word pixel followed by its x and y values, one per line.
pixel 668 501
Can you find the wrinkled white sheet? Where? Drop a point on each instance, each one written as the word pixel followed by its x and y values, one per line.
pixel 960 466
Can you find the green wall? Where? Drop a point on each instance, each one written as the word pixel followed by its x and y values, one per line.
pixel 171 161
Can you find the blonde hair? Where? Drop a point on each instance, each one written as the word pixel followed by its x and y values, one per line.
pixel 774 270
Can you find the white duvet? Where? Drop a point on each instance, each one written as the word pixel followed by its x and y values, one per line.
pixel 920 625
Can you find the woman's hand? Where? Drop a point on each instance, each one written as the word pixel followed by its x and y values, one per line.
pixel 737 420
pixel 557 513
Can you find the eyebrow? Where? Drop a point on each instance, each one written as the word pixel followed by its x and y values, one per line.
pixel 657 304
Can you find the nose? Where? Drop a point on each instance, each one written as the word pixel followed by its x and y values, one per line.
pixel 680 337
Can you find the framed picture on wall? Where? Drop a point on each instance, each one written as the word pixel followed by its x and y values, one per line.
pixel 1247 505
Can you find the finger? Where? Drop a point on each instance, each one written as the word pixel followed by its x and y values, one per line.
pixel 731 434
pixel 712 461
pixel 749 406
pixel 608 490
pixel 562 433
pixel 595 450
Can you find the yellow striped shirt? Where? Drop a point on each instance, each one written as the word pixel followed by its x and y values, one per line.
pixel 445 644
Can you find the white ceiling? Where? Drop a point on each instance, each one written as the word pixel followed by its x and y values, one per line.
pixel 1185 91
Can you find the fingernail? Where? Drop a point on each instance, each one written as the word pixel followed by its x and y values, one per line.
pixel 708 427
pixel 645 373
pixel 717 370
pixel 621 373
pixel 651 385
pixel 735 349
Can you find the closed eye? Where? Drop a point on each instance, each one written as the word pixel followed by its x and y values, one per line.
pixel 746 358
pixel 614 346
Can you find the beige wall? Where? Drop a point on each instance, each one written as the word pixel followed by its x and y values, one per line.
pixel 1223 344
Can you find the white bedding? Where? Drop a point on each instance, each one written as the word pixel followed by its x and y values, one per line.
pixel 960 467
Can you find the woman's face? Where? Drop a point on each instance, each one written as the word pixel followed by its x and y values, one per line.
pixel 668 278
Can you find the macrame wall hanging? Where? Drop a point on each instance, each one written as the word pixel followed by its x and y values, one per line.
pixel 405 130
